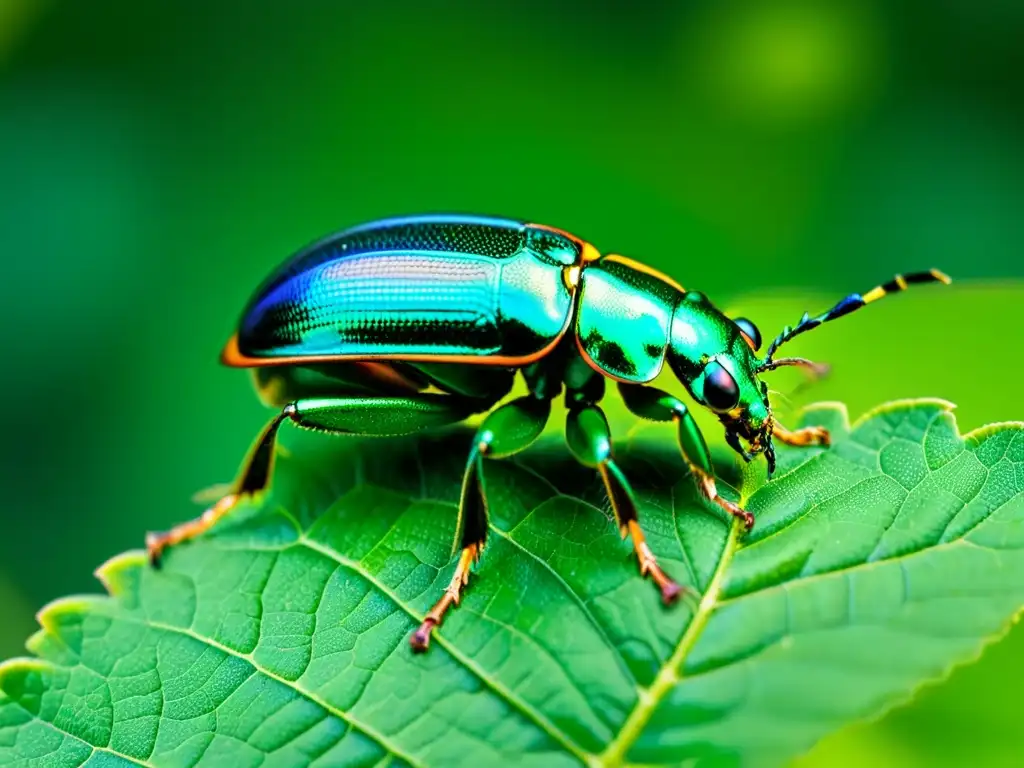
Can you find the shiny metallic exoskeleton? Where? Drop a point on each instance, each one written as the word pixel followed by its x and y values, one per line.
pixel 411 323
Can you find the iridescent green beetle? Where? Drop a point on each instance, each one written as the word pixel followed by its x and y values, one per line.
pixel 412 323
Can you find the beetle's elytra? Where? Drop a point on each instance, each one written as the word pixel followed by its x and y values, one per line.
pixel 349 334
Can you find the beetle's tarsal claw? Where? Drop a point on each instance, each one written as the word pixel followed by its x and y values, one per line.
pixel 420 639
pixel 670 592
pixel 748 520
pixel 155 549
pixel 708 488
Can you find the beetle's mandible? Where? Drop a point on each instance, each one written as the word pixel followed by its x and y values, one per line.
pixel 411 323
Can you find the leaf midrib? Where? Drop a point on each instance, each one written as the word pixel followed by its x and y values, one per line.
pixel 668 676
pixel 648 697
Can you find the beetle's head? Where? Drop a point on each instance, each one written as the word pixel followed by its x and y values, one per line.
pixel 715 358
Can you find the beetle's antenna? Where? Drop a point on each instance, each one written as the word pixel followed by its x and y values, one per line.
pixel 817 370
pixel 850 304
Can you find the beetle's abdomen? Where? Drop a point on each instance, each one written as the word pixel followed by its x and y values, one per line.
pixel 455 287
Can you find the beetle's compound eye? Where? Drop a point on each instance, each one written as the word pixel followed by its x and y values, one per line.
pixel 720 390
pixel 750 333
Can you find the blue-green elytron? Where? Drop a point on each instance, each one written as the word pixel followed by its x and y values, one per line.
pixel 406 324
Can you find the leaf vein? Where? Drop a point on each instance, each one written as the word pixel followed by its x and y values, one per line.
pixel 79 739
pixel 526 709
pixel 620 659
pixel 687 560
pixel 368 730
pixel 546 652
pixel 800 582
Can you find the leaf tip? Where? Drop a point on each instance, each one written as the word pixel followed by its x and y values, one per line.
pixel 20 667
pixel 832 414
pixel 827 406
pixel 50 616
pixel 60 621
pixel 988 430
pixel 905 404
pixel 114 573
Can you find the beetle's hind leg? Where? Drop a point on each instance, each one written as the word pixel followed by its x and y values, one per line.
pixel 589 439
pixel 353 415
pixel 254 478
pixel 505 431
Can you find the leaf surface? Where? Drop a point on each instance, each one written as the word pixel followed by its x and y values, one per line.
pixel 282 639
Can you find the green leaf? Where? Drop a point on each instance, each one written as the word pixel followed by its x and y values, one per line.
pixel 282 639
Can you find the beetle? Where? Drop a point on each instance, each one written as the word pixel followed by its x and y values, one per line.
pixel 406 324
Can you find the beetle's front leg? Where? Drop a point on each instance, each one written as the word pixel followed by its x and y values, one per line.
pixel 504 432
pixel 802 437
pixel 364 415
pixel 657 405
pixel 589 439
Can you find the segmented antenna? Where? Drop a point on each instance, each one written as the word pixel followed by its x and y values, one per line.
pixel 851 303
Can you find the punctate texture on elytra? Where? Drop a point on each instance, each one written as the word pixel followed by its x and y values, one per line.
pixel 281 639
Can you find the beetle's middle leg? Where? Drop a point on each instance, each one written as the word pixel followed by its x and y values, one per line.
pixel 358 415
pixel 505 431
pixel 589 439
pixel 657 405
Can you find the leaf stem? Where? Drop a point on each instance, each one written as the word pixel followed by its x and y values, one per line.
pixel 670 675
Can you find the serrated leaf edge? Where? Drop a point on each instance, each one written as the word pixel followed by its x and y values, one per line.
pixel 669 675
pixel 907 697
pixel 109 574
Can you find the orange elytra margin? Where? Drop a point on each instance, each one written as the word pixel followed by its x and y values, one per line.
pixel 639 267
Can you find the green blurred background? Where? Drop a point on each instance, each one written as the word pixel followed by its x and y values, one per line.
pixel 157 159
